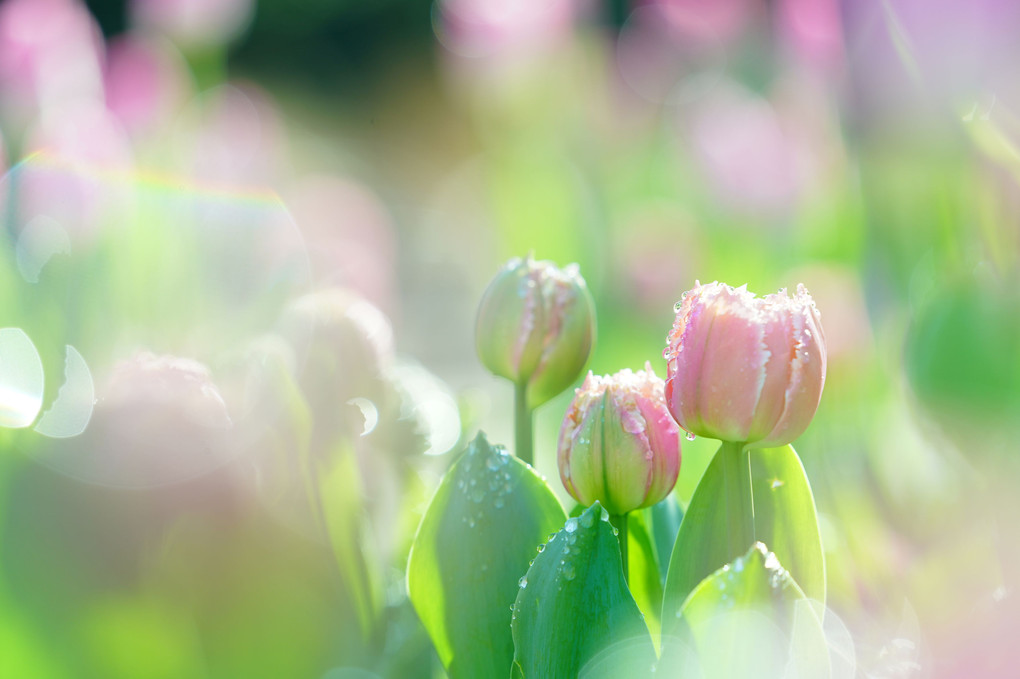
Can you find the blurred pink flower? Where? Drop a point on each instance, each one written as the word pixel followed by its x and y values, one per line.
pixel 479 28
pixel 618 443
pixel 910 54
pixel 757 157
pixel 159 419
pixel 147 84
pixel 707 20
pixel 194 23
pixel 656 61
pixel 745 369
pixel 814 29
pixel 232 136
pixel 655 249
pixel 50 54
pixel 349 235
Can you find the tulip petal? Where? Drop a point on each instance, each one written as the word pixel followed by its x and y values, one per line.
pixel 733 367
pixel 807 374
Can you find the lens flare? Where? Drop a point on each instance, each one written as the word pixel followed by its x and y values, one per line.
pixel 136 263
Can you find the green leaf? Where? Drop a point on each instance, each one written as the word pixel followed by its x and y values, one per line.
pixel 574 605
pixel 663 520
pixel 487 517
pixel 651 534
pixel 748 619
pixel 337 490
pixel 718 526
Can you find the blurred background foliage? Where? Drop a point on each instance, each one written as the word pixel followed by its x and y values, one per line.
pixel 398 152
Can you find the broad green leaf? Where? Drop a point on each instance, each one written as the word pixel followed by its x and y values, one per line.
pixel 747 619
pixel 474 543
pixel 574 605
pixel 721 522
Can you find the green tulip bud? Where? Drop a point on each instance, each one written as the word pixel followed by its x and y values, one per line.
pixel 536 327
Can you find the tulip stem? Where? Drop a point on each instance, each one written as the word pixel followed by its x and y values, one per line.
pixel 619 522
pixel 523 422
pixel 740 489
pixel 750 492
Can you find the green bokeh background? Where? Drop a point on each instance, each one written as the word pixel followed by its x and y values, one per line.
pixel 907 234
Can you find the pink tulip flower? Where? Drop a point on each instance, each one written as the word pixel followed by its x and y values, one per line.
pixel 744 369
pixel 618 443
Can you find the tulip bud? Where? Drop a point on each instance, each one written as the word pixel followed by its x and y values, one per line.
pixel 744 369
pixel 618 443
pixel 536 327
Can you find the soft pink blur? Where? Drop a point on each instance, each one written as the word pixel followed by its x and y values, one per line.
pixel 658 247
pixel 158 419
pixel 50 56
pixel 232 136
pixel 71 179
pixel 656 60
pixel 745 369
pixel 760 157
pixel 349 234
pixel 618 443
pixel 814 30
pixel 707 20
pixel 147 84
pixel 481 28
pixel 194 23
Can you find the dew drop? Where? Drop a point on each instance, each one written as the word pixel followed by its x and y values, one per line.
pixel 678 306
pixel 689 436
pixel 569 572
pixel 776 483
pixel 571 525
pixel 541 547
pixel 523 582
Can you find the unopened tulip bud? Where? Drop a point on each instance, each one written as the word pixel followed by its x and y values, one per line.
pixel 745 369
pixel 619 444
pixel 536 327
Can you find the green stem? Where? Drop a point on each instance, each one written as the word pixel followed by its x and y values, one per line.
pixel 523 435
pixel 737 464
pixel 619 521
